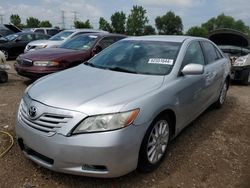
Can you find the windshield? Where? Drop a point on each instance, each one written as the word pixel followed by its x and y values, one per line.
pixel 62 35
pixel 81 42
pixel 140 57
pixel 11 37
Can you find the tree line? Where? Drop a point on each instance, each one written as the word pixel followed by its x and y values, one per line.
pixel 136 24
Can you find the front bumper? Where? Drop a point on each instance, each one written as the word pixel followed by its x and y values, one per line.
pixel 105 154
pixel 237 72
pixel 35 72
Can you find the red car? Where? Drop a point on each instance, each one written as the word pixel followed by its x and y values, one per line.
pixel 79 49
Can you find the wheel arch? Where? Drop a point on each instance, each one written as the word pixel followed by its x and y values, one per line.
pixel 171 114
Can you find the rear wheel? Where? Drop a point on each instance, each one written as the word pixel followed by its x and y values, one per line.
pixel 246 77
pixel 3 76
pixel 154 145
pixel 223 94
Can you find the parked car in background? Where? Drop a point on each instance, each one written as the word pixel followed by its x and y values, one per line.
pixel 241 69
pixel 237 47
pixel 80 48
pixel 7 29
pixel 118 111
pixel 14 44
pixel 58 39
pixel 46 30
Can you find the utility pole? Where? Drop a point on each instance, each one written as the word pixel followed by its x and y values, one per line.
pixel 63 19
pixel 75 15
pixel 1 19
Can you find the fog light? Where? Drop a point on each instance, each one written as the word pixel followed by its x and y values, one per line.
pixel 99 168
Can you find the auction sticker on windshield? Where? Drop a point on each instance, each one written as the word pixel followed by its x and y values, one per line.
pixel 161 61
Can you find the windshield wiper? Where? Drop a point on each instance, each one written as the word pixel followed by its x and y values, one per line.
pixel 121 70
pixel 93 65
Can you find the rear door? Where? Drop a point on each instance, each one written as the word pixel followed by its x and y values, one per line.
pixel 214 71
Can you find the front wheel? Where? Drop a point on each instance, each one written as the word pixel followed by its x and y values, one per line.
pixel 3 76
pixel 246 77
pixel 154 144
pixel 223 93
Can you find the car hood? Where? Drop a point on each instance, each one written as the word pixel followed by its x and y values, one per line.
pixel 51 54
pixel 91 90
pixel 49 43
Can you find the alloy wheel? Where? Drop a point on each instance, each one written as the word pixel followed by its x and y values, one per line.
pixel 158 141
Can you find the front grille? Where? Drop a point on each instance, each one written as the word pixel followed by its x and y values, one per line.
pixel 46 122
pixel 25 62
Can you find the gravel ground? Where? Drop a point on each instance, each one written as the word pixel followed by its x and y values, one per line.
pixel 213 151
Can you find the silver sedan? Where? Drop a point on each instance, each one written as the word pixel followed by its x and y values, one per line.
pixel 118 112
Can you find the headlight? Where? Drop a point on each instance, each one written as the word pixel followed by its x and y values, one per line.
pixel 240 61
pixel 40 46
pixel 45 63
pixel 106 122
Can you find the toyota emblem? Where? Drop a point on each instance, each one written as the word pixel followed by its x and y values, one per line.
pixel 32 111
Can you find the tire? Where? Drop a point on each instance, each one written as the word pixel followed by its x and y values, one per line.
pixel 3 76
pixel 6 54
pixel 149 158
pixel 222 97
pixel 246 77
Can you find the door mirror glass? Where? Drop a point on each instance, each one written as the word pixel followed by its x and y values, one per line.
pixel 193 69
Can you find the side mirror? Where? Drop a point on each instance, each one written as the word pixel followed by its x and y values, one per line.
pixel 193 69
pixel 96 50
pixel 18 40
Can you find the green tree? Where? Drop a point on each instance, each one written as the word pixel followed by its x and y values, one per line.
pixel 118 21
pixel 223 21
pixel 32 22
pixel 149 30
pixel 45 23
pixel 197 32
pixel 136 21
pixel 15 20
pixel 169 24
pixel 104 25
pixel 80 24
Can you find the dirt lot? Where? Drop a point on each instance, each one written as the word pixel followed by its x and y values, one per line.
pixel 214 151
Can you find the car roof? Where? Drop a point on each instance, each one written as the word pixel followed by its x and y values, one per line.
pixel 27 32
pixel 104 34
pixel 163 38
pixel 86 30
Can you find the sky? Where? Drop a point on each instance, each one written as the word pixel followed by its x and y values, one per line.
pixel 192 12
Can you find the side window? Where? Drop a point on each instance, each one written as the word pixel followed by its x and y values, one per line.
pixel 52 32
pixel 209 51
pixel 219 56
pixel 38 37
pixel 194 55
pixel 27 37
pixel 107 41
pixel 39 31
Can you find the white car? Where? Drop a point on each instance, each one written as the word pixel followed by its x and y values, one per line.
pixel 57 39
